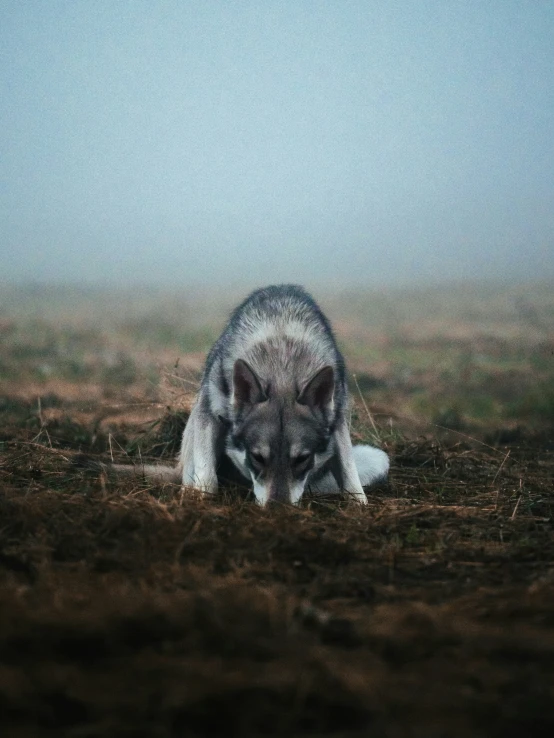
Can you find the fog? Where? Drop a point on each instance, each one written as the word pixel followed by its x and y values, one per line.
pixel 198 143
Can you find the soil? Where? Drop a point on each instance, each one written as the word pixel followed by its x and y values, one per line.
pixel 130 609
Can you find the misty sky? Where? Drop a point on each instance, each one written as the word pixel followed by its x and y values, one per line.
pixel 196 141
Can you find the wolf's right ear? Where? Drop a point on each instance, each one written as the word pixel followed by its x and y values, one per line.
pixel 247 389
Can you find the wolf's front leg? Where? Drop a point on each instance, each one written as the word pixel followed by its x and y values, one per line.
pixel 344 467
pixel 198 460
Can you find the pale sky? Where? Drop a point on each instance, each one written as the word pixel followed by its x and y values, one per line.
pixel 199 141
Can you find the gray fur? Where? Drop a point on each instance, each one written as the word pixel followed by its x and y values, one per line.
pixel 274 399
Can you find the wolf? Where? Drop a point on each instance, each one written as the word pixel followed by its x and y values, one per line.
pixel 273 400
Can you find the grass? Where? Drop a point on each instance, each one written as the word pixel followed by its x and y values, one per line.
pixel 128 608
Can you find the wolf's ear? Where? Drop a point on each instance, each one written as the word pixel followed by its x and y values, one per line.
pixel 318 393
pixel 247 389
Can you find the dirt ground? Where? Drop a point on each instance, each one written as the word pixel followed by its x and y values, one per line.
pixel 128 609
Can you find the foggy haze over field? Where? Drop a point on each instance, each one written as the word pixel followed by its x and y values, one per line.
pixel 193 142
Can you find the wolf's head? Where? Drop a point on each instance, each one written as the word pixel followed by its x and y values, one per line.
pixel 281 435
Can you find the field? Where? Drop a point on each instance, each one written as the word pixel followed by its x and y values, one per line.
pixel 128 609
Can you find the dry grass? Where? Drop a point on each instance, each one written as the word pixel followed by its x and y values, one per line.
pixel 136 610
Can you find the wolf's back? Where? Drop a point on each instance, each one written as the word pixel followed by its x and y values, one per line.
pixel 282 333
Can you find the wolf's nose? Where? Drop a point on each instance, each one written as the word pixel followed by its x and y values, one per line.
pixel 274 502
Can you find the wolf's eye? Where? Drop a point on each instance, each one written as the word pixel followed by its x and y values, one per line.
pixel 301 459
pixel 258 459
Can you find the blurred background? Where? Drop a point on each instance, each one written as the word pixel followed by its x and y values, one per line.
pixel 202 143
pixel 161 158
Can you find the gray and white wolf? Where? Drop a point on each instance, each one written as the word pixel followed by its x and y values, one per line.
pixel 273 399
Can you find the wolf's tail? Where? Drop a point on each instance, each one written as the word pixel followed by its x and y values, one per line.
pixel 157 472
pixel 372 465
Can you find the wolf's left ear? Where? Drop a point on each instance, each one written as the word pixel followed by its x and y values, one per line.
pixel 318 393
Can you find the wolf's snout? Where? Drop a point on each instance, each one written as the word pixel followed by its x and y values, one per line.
pixel 279 492
pixel 273 502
